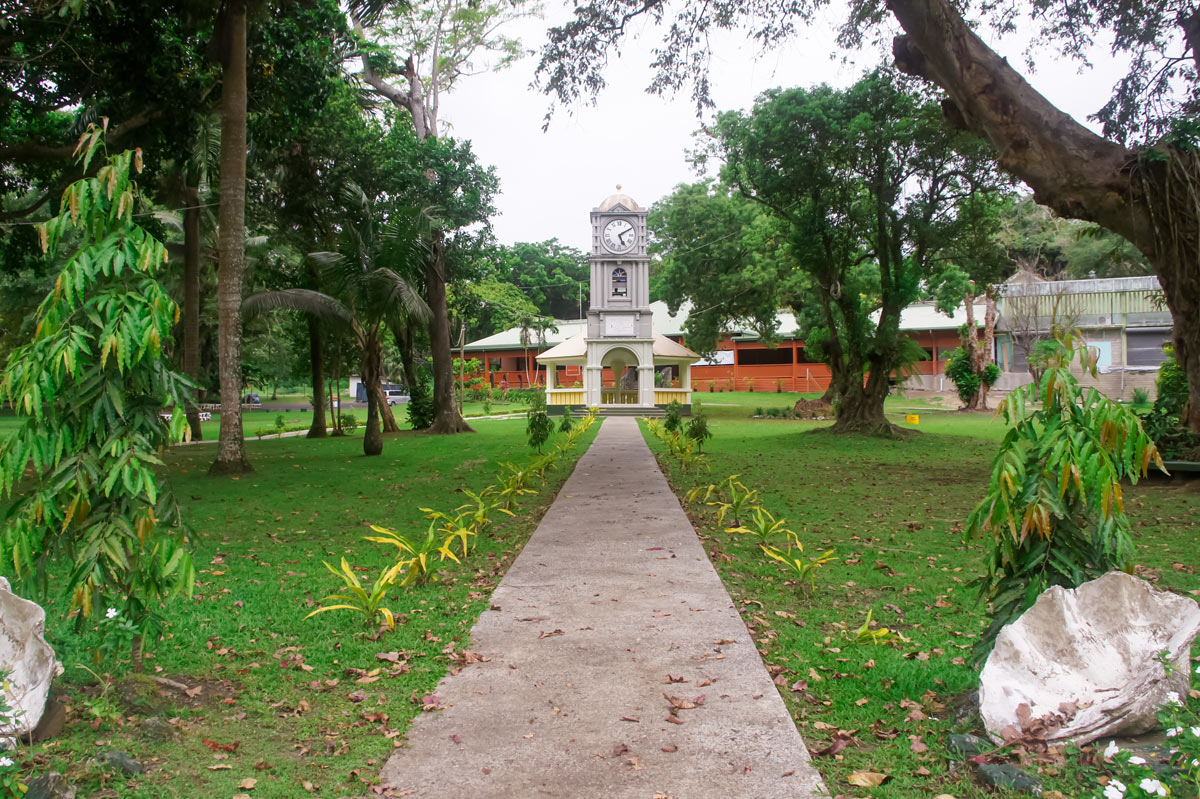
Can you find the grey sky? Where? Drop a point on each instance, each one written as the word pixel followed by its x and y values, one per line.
pixel 550 181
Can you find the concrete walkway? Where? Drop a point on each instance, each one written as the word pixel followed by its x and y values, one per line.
pixel 611 608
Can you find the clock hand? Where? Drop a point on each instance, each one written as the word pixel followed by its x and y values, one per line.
pixel 621 236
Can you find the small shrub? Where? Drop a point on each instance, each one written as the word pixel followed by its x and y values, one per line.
pixel 420 407
pixel 804 569
pixel 1172 385
pixel 416 554
pixel 565 425
pixel 712 387
pixel 697 428
pixel 763 525
pixel 368 604
pixel 779 386
pixel 741 500
pixel 348 422
pixel 539 427
pixel 1054 510
pixel 1141 396
pixel 958 369
pixel 674 418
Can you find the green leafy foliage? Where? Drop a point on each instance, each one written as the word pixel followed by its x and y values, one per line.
pixel 416 553
pixel 674 418
pixel 739 500
pixel 538 427
pixel 697 428
pixel 420 407
pixel 368 604
pixel 1171 386
pixel 1054 508
pixel 804 569
pixel 763 526
pixel 94 385
pixel 958 369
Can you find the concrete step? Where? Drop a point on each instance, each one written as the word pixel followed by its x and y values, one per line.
pixel 623 410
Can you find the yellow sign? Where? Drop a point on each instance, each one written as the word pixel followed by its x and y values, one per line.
pixel 912 418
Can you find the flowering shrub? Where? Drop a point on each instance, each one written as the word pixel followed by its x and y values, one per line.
pixel 1135 779
pixel 10 772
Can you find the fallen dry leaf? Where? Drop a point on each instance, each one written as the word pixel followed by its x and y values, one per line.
pixel 220 767
pixel 867 779
pixel 248 784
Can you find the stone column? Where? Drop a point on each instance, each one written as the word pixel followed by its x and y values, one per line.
pixel 592 383
pixel 646 385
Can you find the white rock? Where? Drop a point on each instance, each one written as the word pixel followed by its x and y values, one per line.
pixel 29 660
pixel 1084 664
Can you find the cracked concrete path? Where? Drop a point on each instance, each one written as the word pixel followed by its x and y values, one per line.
pixel 611 608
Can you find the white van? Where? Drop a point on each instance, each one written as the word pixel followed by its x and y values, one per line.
pixel 396 396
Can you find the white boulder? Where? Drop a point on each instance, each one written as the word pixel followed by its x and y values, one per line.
pixel 1083 664
pixel 28 659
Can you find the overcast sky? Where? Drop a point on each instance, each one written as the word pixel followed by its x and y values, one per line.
pixel 550 181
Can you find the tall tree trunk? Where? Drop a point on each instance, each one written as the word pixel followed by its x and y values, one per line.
pixel 370 368
pixel 971 345
pixel 231 447
pixel 860 409
pixel 386 417
pixel 191 300
pixel 405 344
pixel 1152 203
pixel 989 339
pixel 316 354
pixel 446 418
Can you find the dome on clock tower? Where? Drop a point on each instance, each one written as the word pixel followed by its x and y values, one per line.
pixel 613 200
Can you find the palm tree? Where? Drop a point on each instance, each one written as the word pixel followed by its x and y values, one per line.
pixel 534 328
pixel 367 292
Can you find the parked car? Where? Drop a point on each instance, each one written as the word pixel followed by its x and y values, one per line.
pixel 396 396
pixel 252 399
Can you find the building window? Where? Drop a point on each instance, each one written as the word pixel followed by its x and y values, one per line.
pixel 620 283
pixel 766 357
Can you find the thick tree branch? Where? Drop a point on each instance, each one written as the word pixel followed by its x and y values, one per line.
pixel 36 151
pixel 396 96
pixel 1070 169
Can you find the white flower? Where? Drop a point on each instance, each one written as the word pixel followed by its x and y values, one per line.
pixel 1137 761
pixel 1152 786
pixel 1120 786
pixel 1111 791
pixel 1196 731
pixel 112 613
pixel 5 762
pixel 1198 669
pixel 1171 733
pixel 1173 698
pixel 1111 749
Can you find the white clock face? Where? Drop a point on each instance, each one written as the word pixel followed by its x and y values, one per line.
pixel 619 236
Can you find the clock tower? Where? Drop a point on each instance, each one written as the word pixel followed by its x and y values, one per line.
pixel 620 335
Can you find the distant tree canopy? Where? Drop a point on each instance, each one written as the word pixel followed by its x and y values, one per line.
pixel 1141 180
pixel 844 204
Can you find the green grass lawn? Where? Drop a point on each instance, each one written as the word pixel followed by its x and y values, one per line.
pixel 893 513
pixel 311 703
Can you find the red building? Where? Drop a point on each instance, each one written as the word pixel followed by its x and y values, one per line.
pixel 741 360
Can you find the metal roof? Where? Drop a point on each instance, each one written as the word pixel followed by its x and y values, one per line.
pixel 920 316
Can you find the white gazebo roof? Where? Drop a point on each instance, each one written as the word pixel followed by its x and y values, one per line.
pixel 574 350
